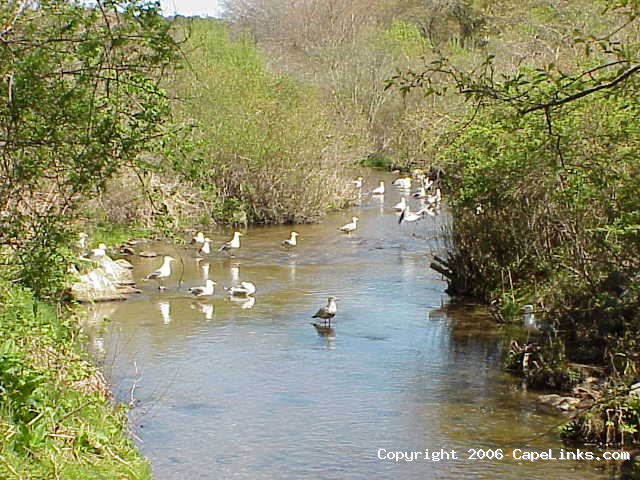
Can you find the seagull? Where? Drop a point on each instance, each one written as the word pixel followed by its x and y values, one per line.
pixel 435 198
pixel 422 191
pixel 82 241
pixel 401 205
pixel 404 183
pixel 245 289
pixel 328 312
pixel 291 242
pixel 379 190
pixel 205 249
pixel 163 272
pixel 99 252
pixel 357 183
pixel 530 322
pixel 233 243
pixel 203 291
pixel 351 226
pixel 199 238
pixel 409 216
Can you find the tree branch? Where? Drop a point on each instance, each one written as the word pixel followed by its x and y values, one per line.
pixel 623 76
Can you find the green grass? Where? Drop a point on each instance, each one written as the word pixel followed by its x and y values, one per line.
pixel 56 418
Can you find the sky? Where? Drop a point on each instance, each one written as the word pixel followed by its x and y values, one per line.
pixel 190 8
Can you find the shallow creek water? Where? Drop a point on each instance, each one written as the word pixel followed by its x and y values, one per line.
pixel 223 389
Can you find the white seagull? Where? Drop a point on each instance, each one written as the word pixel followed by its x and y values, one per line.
pixel 529 320
pixel 403 183
pixel 401 205
pixel 357 183
pixel 291 242
pixel 435 198
pixel 99 252
pixel 243 290
pixel 82 241
pixel 205 249
pixel 199 238
pixel 328 312
pixel 409 216
pixel 203 291
pixel 378 190
pixel 351 226
pixel 233 243
pixel 163 272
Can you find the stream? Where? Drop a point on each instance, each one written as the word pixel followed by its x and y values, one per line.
pixel 225 389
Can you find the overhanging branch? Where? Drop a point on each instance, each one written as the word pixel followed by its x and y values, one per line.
pixel 623 76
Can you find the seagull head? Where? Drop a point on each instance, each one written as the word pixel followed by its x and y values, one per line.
pixel 354 219
pixel 294 234
pixel 527 309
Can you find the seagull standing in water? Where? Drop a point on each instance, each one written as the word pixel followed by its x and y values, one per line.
pixel 401 205
pixel 205 249
pixel 378 190
pixel 357 183
pixel 402 183
pixel 435 198
pixel 243 290
pixel 529 321
pixel 233 243
pixel 327 313
pixel 349 227
pixel 163 272
pixel 203 291
pixel 291 242
pixel 198 239
pixel 409 216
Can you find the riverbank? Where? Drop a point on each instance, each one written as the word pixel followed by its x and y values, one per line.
pixel 57 418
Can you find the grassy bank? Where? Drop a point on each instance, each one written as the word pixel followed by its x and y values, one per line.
pixel 56 416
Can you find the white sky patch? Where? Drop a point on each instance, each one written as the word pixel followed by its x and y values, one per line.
pixel 190 8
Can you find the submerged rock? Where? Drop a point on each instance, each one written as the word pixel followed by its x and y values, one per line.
pixel 148 254
pixel 558 402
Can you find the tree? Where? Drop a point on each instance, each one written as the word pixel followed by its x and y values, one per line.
pixel 79 101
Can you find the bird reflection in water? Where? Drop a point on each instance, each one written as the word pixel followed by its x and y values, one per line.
pixel 245 302
pixel 206 309
pixel 165 311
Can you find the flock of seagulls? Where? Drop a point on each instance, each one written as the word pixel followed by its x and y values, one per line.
pixel 245 290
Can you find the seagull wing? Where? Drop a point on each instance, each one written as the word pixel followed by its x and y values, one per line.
pixel 153 275
pixel 323 312
pixel 225 246
pixel 402 216
pixel 196 291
